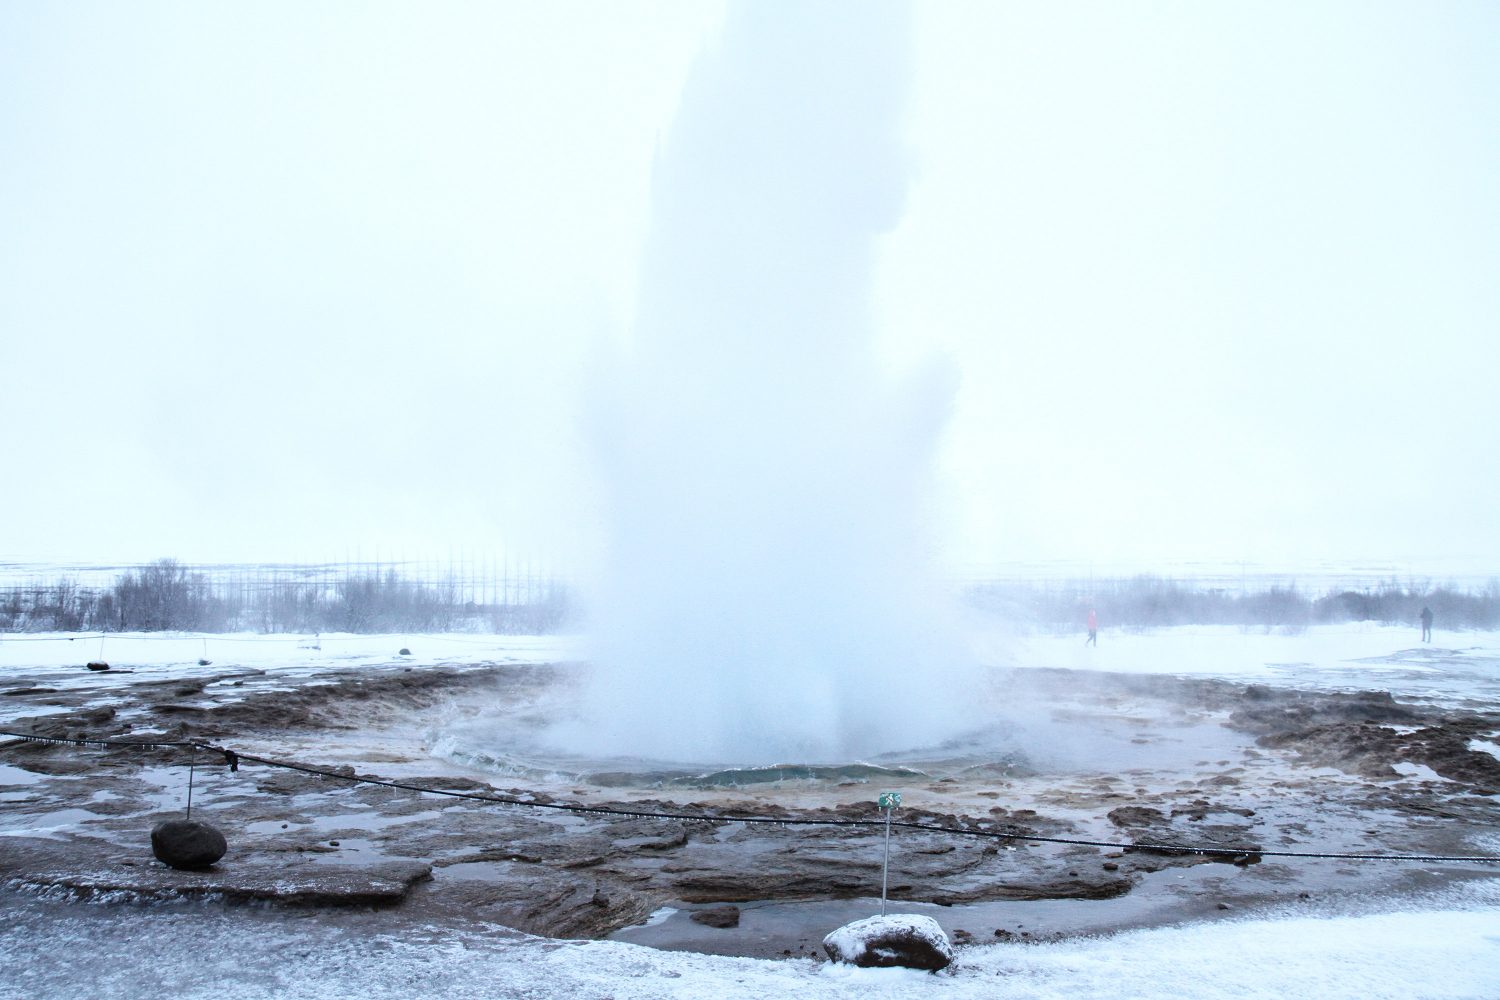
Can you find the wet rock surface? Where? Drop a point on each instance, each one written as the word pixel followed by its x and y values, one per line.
pixel 1261 767
pixel 94 870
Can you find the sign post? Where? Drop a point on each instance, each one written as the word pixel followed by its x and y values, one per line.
pixel 888 801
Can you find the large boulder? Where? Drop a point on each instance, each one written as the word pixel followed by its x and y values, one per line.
pixel 184 844
pixel 898 939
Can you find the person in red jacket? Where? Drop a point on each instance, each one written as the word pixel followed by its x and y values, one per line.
pixel 1093 639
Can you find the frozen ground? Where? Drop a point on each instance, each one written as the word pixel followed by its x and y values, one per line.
pixel 1454 667
pixel 1415 932
pixel 1345 656
pixel 53 949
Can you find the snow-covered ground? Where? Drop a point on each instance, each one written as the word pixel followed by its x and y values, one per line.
pixel 1355 652
pixel 145 651
pixel 1454 666
pixel 56 659
pixel 51 949
pixel 1235 652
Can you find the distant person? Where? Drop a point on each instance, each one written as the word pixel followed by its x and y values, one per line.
pixel 1093 639
pixel 1426 624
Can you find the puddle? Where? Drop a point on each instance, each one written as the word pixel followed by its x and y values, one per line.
pixel 272 826
pixel 11 775
pixel 351 851
pixel 1419 771
pixel 50 824
pixel 476 871
pixel 771 929
pixel 660 916
pixel 1485 746
pixel 20 712
pixel 370 822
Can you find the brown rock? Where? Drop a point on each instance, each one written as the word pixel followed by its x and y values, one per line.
pixel 717 916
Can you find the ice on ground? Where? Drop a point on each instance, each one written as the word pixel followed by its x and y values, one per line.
pixel 660 916
pixel 1422 772
pixel 11 776
pixel 1485 746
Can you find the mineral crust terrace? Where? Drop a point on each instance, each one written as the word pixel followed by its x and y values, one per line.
pixel 1310 771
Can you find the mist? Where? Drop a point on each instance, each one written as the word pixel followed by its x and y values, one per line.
pixel 313 284
pixel 766 592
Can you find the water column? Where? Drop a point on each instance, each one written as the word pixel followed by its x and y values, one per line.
pixel 766 596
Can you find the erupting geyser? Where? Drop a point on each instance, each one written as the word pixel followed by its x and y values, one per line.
pixel 767 593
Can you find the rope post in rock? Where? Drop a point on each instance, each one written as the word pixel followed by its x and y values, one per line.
pixel 190 790
pixel 888 801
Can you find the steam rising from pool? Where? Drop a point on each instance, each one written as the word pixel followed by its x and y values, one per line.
pixel 767 595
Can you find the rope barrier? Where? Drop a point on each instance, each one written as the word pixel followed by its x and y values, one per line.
pixel 234 758
pixel 79 742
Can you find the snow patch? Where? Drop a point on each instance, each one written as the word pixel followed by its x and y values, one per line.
pixel 1485 746
pixel 1420 771
pixel 893 939
pixel 659 916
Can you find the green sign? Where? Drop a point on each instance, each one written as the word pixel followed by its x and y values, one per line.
pixel 890 800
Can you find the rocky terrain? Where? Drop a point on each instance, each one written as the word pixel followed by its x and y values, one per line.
pixel 1286 770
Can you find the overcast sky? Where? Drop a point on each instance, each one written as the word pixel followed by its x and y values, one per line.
pixel 283 281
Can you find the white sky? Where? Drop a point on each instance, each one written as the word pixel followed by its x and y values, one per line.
pixel 289 281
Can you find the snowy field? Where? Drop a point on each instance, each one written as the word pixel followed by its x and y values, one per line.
pixel 1353 653
pixel 1444 946
pixel 1455 666
pixel 56 658
pixel 75 950
pixel 147 651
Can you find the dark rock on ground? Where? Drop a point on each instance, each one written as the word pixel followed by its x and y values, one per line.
pixel 1290 711
pixel 1039 886
pixel 1136 816
pixel 187 845
pixel 666 843
pixel 551 902
pixel 718 916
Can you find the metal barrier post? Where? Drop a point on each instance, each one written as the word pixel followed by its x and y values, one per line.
pixel 888 801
